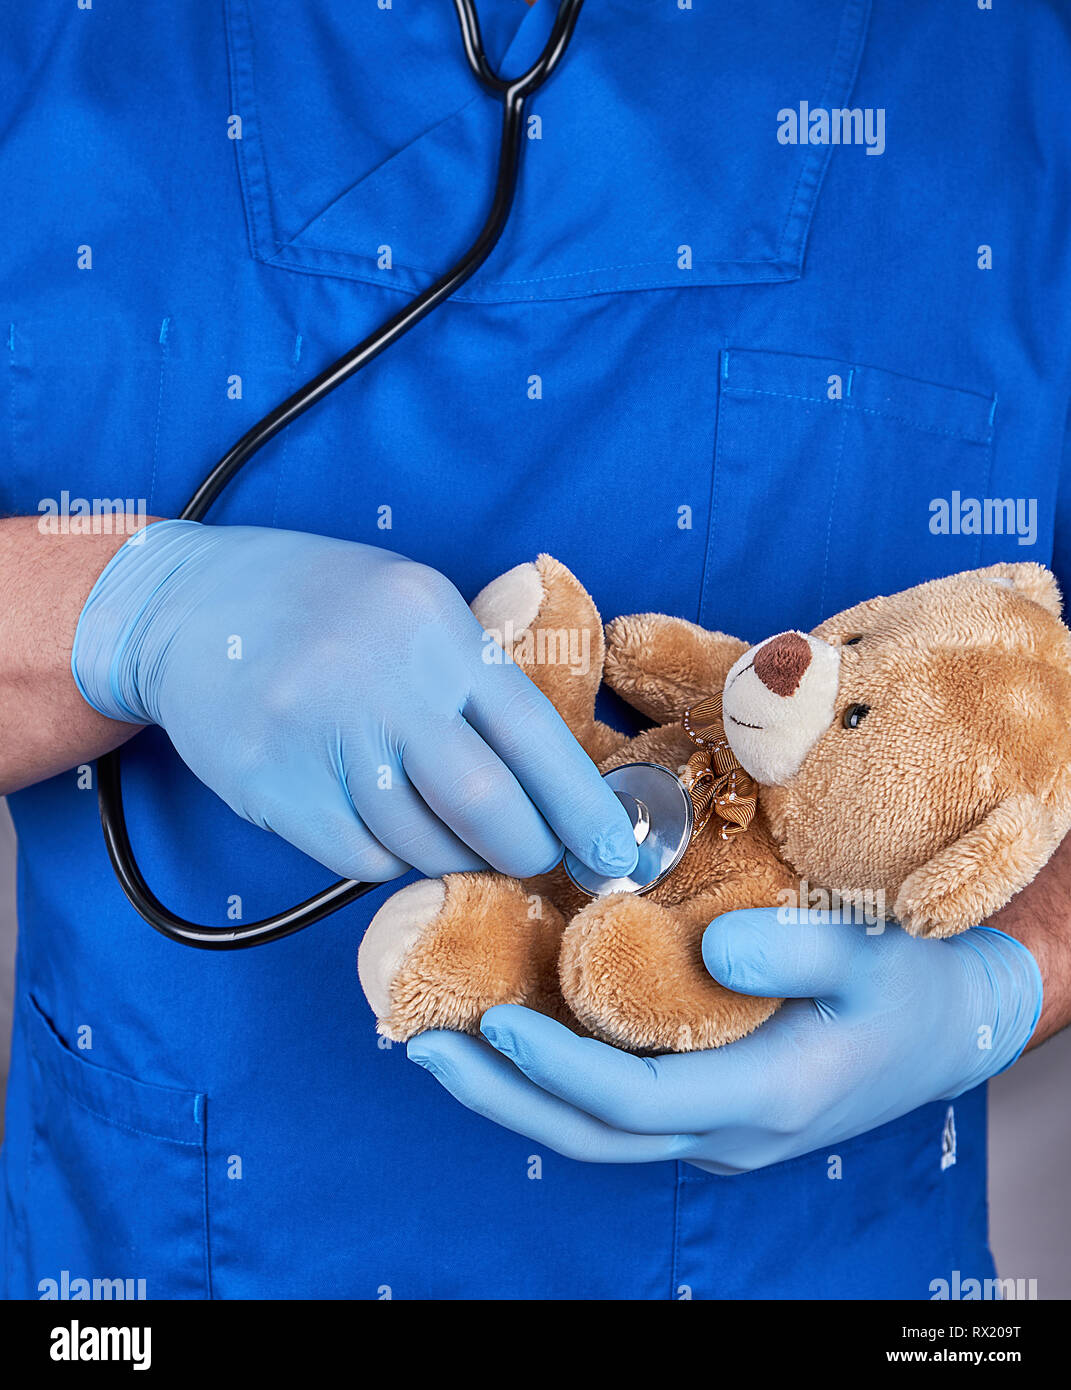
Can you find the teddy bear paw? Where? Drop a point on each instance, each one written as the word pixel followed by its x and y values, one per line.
pixel 440 952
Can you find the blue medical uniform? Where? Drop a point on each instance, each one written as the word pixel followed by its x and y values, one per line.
pixel 718 373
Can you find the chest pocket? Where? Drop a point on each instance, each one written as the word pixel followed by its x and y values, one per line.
pixel 835 481
pixel 379 166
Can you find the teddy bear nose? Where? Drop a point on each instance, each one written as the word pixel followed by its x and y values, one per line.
pixel 781 662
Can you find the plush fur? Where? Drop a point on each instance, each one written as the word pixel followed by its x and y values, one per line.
pixel 947 796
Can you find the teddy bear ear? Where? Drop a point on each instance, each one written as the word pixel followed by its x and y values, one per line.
pixel 969 880
pixel 1031 580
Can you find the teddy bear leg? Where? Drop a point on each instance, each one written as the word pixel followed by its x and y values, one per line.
pixel 632 972
pixel 441 951
pixel 546 621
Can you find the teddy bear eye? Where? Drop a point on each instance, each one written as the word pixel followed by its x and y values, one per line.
pixel 854 716
pixel 851 641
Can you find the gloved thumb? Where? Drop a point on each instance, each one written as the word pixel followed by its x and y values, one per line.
pixel 752 951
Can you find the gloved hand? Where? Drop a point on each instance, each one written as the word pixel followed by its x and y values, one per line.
pixel 339 695
pixel 872 1027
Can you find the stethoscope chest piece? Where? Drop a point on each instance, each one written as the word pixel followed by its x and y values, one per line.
pixel 662 817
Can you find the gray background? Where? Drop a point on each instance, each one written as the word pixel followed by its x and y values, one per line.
pixel 1029 1132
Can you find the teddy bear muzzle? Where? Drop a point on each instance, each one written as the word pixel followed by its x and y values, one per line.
pixel 779 698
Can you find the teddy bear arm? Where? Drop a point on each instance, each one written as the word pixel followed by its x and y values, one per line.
pixel 661 664
pixel 970 880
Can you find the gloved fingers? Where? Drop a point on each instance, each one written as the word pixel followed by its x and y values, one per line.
pixel 751 952
pixel 685 1092
pixel 335 837
pixel 399 818
pixel 472 791
pixel 488 1084
pixel 518 721
pixel 1007 976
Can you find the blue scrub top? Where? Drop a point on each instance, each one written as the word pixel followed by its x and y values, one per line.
pixel 718 373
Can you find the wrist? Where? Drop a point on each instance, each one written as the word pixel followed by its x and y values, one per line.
pixel 115 638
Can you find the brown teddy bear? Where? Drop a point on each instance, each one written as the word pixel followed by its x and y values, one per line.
pixel 912 753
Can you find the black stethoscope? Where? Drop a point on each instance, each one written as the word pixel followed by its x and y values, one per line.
pixel 512 93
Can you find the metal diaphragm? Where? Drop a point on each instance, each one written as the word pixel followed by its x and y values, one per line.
pixel 661 813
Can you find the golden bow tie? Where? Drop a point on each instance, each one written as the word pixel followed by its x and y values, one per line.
pixel 718 785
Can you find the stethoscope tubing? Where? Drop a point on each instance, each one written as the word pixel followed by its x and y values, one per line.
pixel 512 93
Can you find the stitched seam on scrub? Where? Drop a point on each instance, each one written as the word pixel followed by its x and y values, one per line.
pixel 200 1112
pixel 985 489
pixel 56 1075
pixel 165 333
pixel 31 1157
pixel 675 1270
pixel 779 274
pixel 848 63
pixel 811 159
pixel 529 279
pixel 237 107
pixel 866 410
pixel 294 243
pixel 838 459
pixel 199 1143
pixel 129 1129
pixel 712 498
pixel 387 159
pixel 261 152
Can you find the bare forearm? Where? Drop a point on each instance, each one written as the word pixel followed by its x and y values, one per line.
pixel 45 725
pixel 1040 917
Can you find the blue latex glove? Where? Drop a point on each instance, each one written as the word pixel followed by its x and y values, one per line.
pixel 873 1026
pixel 339 695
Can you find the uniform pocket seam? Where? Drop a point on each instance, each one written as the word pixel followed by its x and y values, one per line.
pixel 54 1068
pixel 52 1057
pixel 338 265
pixel 757 385
pixel 301 251
pixel 129 1129
pixel 865 410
